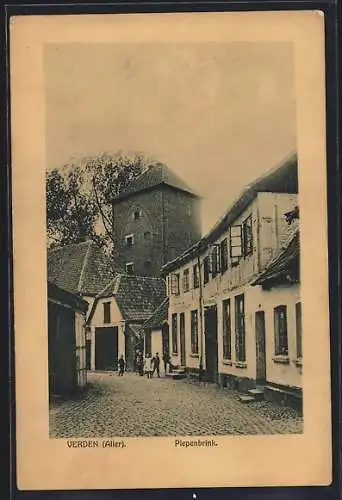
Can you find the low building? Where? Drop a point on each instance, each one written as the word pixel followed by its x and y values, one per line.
pixel 117 316
pixel 156 331
pixel 82 269
pixel 215 306
pixel 279 325
pixel 66 341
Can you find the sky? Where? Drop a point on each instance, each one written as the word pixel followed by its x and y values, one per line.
pixel 218 114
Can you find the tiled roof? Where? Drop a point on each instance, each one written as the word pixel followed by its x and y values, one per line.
pixel 284 265
pixel 281 179
pixel 74 301
pixel 159 315
pixel 81 268
pixel 153 176
pixel 136 296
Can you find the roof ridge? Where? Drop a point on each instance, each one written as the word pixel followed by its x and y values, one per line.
pixel 55 249
pixel 141 276
pixel 85 262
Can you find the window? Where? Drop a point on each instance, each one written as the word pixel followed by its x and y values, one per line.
pixel 137 214
pixel 175 284
pixel 148 343
pixel 247 236
pixel 280 331
pixel 227 334
pixel 299 329
pixel 224 256
pixel 129 240
pixel 106 312
pixel 129 266
pixel 174 334
pixel 240 344
pixel 196 276
pixel 186 280
pixel 215 260
pixel 206 270
pixel 235 244
pixel 188 210
pixel 194 332
pixel 147 235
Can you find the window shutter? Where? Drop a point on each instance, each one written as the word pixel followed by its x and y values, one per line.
pixel 235 242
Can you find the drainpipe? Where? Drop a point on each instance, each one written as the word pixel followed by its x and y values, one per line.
pixel 201 325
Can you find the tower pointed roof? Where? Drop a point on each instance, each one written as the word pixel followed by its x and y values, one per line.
pixel 153 176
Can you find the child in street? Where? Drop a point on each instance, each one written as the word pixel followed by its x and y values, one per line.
pixel 148 366
pixel 121 364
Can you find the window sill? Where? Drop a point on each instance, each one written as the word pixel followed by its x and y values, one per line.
pixel 194 355
pixel 285 360
pixel 240 364
pixel 299 362
pixel 227 362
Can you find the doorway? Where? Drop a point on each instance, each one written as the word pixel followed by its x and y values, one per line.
pixel 211 356
pixel 182 339
pixel 260 347
pixel 165 338
pixel 106 348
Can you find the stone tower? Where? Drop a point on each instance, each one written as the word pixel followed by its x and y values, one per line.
pixel 154 220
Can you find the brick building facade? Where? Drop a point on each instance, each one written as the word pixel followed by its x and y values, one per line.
pixel 155 220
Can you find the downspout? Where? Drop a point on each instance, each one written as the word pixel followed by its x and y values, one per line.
pixel 201 318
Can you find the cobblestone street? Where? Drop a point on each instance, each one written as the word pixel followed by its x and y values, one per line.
pixel 135 406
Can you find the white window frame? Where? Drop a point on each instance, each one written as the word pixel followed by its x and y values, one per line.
pixel 128 237
pixel 129 264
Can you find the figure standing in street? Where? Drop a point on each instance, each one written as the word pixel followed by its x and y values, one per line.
pixel 166 360
pixel 156 364
pixel 148 366
pixel 121 364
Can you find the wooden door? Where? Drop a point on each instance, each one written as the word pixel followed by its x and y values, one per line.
pixel 211 355
pixel 106 348
pixel 182 339
pixel 166 338
pixel 260 347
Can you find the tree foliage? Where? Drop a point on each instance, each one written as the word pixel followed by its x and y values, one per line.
pixel 79 196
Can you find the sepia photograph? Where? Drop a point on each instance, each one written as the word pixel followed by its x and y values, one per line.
pixel 175 194
pixel 177 282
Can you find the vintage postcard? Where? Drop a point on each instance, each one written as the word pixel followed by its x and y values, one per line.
pixel 170 250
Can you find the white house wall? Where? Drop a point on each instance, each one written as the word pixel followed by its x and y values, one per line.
pixel 270 230
pixel 273 228
pixel 97 321
pixel 289 374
